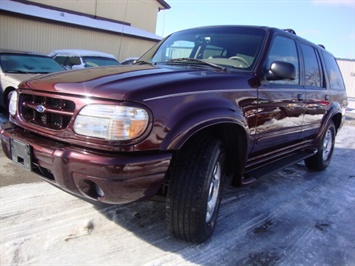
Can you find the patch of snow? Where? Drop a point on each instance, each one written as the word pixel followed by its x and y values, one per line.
pixel 293 217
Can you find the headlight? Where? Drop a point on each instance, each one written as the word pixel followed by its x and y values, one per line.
pixel 13 103
pixel 111 122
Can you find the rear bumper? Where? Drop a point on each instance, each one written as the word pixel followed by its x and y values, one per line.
pixel 107 177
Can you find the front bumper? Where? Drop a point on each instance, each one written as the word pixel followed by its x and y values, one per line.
pixel 103 176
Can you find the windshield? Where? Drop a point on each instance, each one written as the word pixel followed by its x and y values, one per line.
pixel 228 46
pixel 29 64
pixel 94 61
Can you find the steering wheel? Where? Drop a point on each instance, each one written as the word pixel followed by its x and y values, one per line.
pixel 244 63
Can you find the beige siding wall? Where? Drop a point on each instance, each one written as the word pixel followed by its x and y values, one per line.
pixel 143 14
pixel 347 68
pixel 139 13
pixel 82 6
pixel 31 35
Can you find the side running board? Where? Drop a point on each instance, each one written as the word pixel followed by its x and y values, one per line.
pixel 268 168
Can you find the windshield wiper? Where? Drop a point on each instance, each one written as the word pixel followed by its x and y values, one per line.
pixel 194 61
pixel 142 62
pixel 28 72
pixel 17 71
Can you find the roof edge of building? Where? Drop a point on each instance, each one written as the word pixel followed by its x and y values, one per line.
pixel 164 4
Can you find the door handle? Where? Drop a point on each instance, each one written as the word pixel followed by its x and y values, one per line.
pixel 300 97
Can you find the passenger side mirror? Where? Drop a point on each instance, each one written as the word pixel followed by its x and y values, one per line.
pixel 280 70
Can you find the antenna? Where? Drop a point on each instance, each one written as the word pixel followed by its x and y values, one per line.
pixel 124 19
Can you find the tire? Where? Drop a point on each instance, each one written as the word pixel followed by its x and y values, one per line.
pixel 195 190
pixel 322 158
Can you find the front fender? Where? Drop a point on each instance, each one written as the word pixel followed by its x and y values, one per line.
pixel 188 126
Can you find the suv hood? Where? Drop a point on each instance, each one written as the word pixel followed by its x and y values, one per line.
pixel 121 82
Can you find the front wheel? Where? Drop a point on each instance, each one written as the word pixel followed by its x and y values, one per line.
pixel 195 190
pixel 322 158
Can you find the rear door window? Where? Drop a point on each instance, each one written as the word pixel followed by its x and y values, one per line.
pixel 313 76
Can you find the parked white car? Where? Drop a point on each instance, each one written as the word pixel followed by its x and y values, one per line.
pixel 17 66
pixel 76 58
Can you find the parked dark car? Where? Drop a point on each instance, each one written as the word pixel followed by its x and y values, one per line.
pixel 203 104
pixel 17 66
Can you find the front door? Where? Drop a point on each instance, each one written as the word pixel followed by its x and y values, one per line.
pixel 280 103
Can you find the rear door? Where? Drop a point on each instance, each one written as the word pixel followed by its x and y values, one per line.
pixel 317 95
pixel 325 89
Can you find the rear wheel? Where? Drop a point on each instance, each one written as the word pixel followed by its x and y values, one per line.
pixel 322 158
pixel 195 190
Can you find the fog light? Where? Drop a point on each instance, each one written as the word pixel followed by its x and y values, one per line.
pixel 90 189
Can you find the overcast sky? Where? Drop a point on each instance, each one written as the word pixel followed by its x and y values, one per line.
pixel 327 22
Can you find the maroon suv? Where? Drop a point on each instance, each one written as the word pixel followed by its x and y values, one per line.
pixel 202 104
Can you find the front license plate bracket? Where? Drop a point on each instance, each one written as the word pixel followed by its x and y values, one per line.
pixel 21 154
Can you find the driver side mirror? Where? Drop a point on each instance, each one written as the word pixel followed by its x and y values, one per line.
pixel 280 70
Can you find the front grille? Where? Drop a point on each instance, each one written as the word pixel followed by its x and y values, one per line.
pixel 48 112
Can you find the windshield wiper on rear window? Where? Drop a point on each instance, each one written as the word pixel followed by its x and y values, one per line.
pixel 195 62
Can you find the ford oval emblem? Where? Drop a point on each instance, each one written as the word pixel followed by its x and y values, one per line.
pixel 40 108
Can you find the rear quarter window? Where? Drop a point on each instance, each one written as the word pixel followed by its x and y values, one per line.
pixel 335 78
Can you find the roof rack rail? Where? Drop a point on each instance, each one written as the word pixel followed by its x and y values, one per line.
pixel 290 31
pixel 321 45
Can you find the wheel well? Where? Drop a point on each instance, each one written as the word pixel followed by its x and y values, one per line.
pixel 337 120
pixel 235 144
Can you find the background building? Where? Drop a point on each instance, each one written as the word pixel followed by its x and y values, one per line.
pixel 347 68
pixel 123 28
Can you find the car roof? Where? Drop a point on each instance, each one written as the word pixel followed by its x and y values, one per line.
pixel 80 52
pixel 9 51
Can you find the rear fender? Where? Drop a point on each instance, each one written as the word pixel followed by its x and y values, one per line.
pixel 334 114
